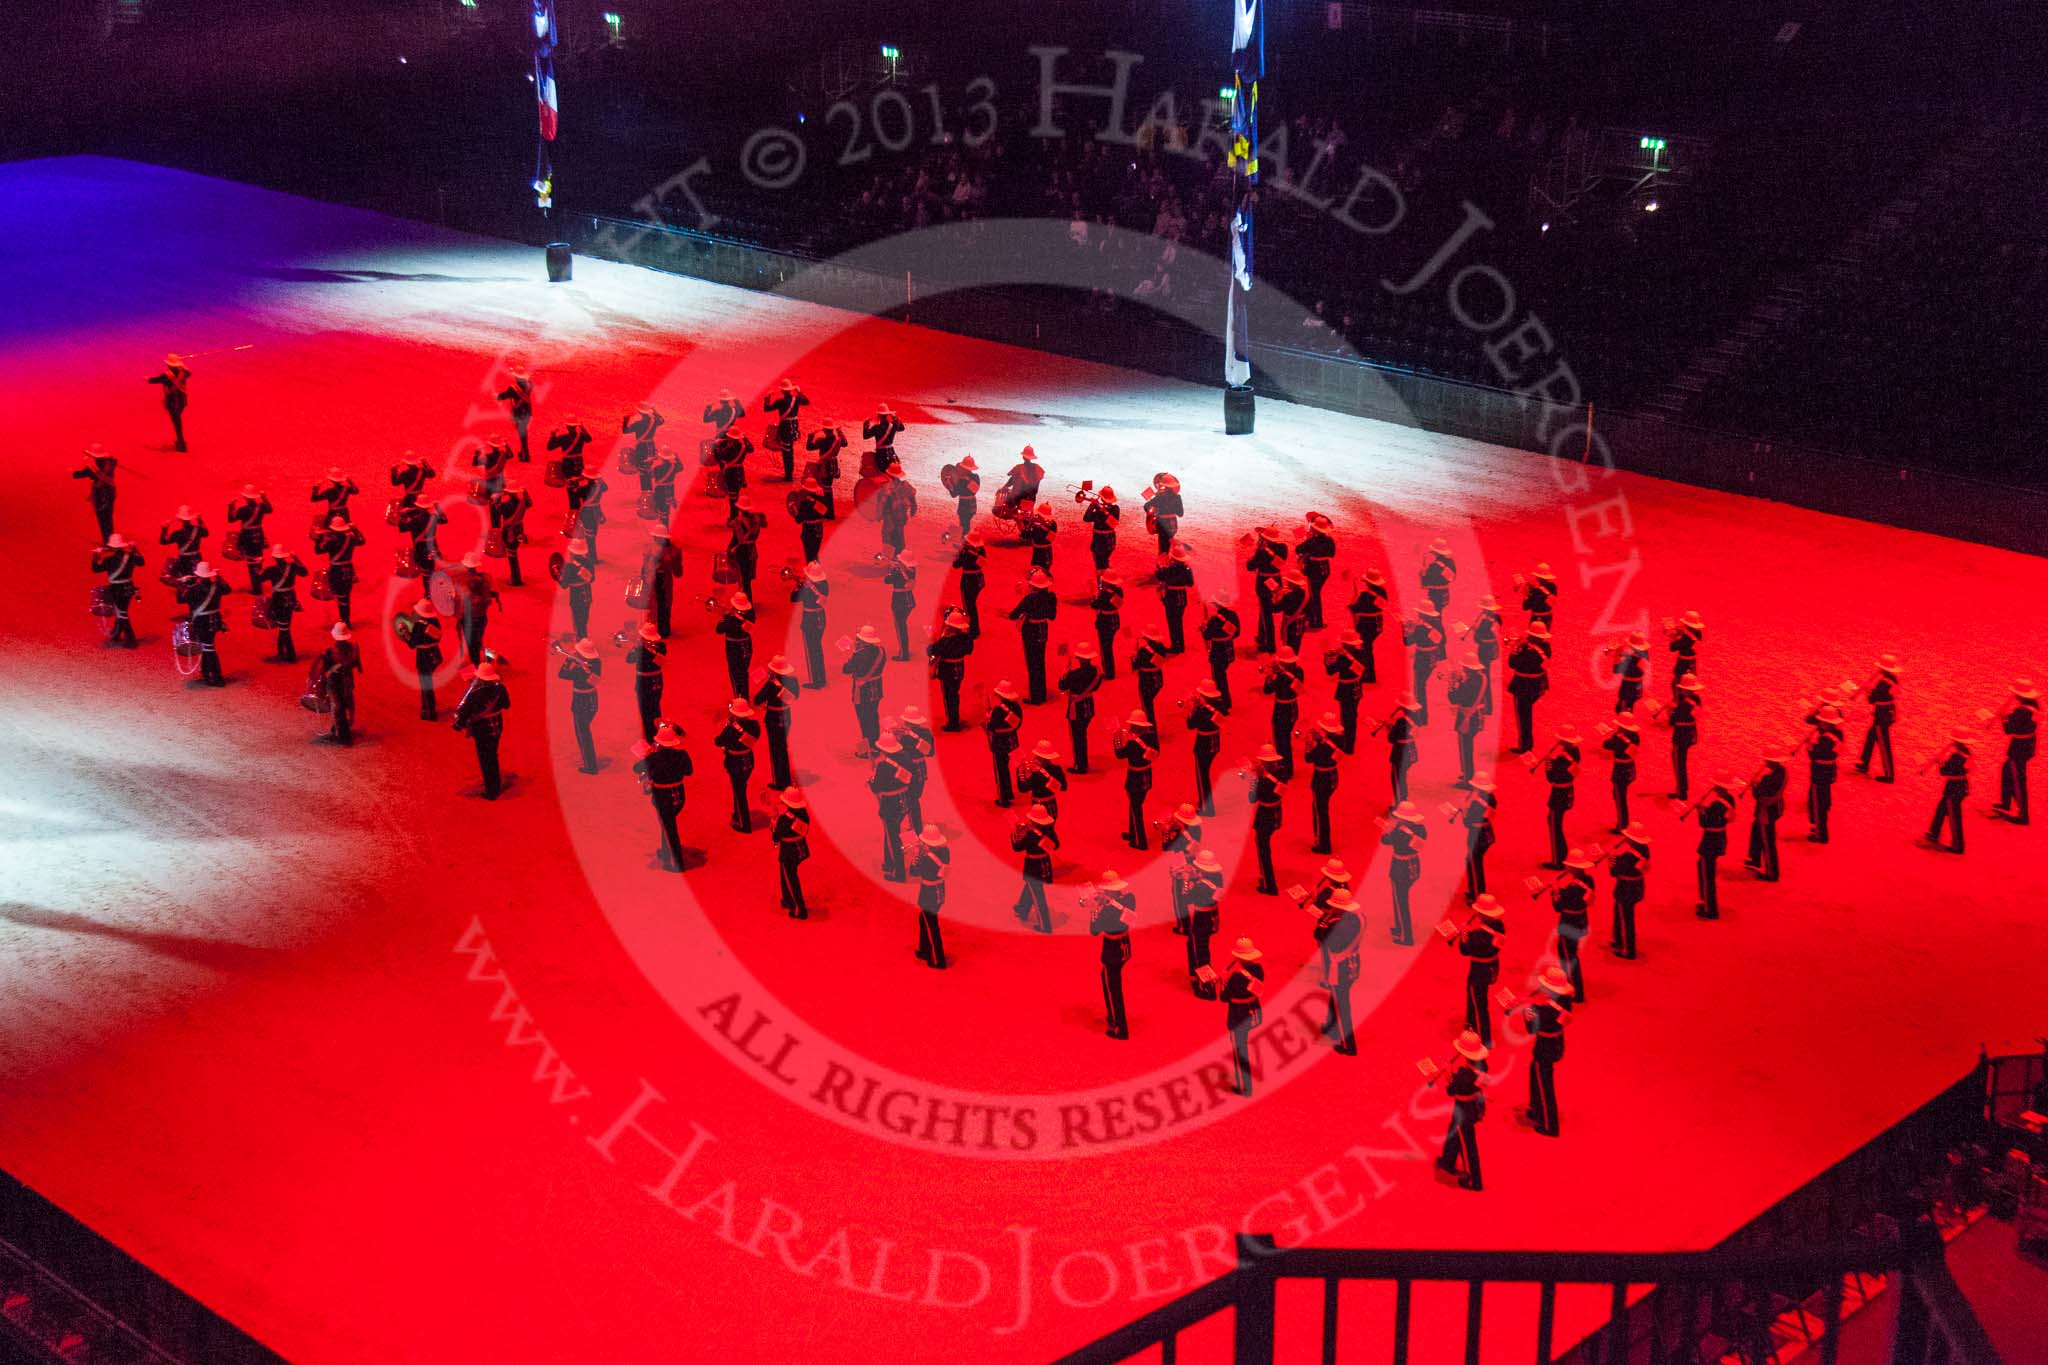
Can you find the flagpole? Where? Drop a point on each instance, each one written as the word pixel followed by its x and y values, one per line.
pixel 1247 68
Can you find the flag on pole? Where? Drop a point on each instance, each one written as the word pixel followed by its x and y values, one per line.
pixel 544 95
pixel 1248 67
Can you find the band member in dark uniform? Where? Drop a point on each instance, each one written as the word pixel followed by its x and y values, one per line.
pixel 929 863
pixel 1426 643
pixel 792 836
pixel 1314 551
pixel 1267 789
pixel 1041 777
pixel 900 576
pixel 1163 511
pixel 1823 758
pixel 578 578
pixel 1345 665
pixel 176 380
pixel 481 715
pixel 736 627
pixel 784 404
pixel 1103 517
pixel 1438 573
pixel 723 412
pixel 1621 770
pixel 648 656
pixel 2020 725
pixel 1321 757
pixel 1401 748
pixel 184 534
pixel 826 442
pixel 1107 604
pixel 1546 1017
pixel 246 512
pixel 570 438
pixel 339 542
pixel 1034 612
pixel 1476 815
pixel 1561 772
pixel 1467 696
pixel 914 733
pixel 1110 907
pixel 1267 562
pixel 1368 608
pixel 423 526
pixel 1404 832
pixel 947 659
pixel 662 769
pixel 1767 803
pixel 810 596
pixel 474 598
pixel 1080 682
pixel 1035 528
pixel 735 741
pixel 202 595
pixel 772 701
pixel 1684 719
pixel 1954 767
pixel 1468 1106
pixel 1539 596
pixel 1137 744
pixel 335 490
pixel 1005 716
pixel 1716 810
pixel 410 475
pixel 969 561
pixel 1632 666
pixel 659 570
pixel 1479 944
pixel 586 508
pixel 1175 580
pixel 658 474
pixel 1485 639
pixel 581 668
pixel 1686 634
pixel 99 467
pixel 490 461
pixel 1200 884
pixel 863 667
pixel 277 577
pixel 743 542
pixel 420 631
pixel 1629 865
pixel 339 664
pixel 1884 710
pixel 1220 629
pixel 1020 485
pixel 882 430
pixel 1285 679
pixel 806 504
pixel 1290 606
pixel 1571 896
pixel 1337 931
pixel 119 560
pixel 1240 992
pixel 896 501
pixel 1037 840
pixel 517 395
pixel 1528 680
pixel 509 506
pixel 1180 833
pixel 1205 728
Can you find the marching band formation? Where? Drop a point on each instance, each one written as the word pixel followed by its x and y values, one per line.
pixel 1455 664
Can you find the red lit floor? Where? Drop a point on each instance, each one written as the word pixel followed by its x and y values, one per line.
pixel 273 1013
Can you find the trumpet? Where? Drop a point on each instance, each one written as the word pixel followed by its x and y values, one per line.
pixel 1389 719
pixel 1941 756
pixel 1509 1002
pixel 1434 1071
pixel 1700 800
pixel 1537 887
pixel 788 574
pixel 710 602
pixel 1534 761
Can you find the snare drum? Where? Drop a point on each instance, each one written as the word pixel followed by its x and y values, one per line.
pixel 403 567
pixel 231 548
pixel 320 590
pixel 259 615
pixel 182 643
pixel 480 491
pixel 494 543
pixel 441 591
pixel 636 594
pixel 103 601
pixel 392 512
pixel 644 507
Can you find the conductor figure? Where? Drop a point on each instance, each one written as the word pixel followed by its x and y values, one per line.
pixel 175 379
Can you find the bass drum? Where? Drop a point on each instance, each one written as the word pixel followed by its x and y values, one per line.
pixel 184 651
pixel 441 592
pixel 867 495
pixel 557 561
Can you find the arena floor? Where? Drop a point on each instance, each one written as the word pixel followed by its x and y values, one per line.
pixel 378 1070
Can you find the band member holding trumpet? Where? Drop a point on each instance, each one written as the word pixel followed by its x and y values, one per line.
pixel 420 631
pixel 1439 571
pixel 971 560
pixel 947 659
pixel 118 560
pixel 246 513
pixel 183 533
pixel 1163 511
pixel 339 664
pixel 1528 680
pixel 99 467
pixel 901 578
pixel 1883 695
pixel 1953 764
pixel 1399 725
pixel 928 866
pixel 1479 944
pixel 1240 992
pixel 1285 679
pixel 784 405
pixel 335 490
pixel 806 504
pixel 772 701
pixel 1103 517
pixel 201 595
pixel 1199 885
pixel 1267 562
pixel 1037 840
pixel 890 782
pixel 1427 646
pixel 914 733
pixel 1561 771
pixel 277 578
pixel 1684 720
pixel 1629 865
pixel 1716 810
pixel 1220 629
pixel 1180 833
pixel 647 656
pixel 1345 665
pixel 791 835
pixel 2020 724
pixel 736 628
pixel 1571 897
pixel 1404 832
pixel 1546 1016
pixel 1081 681
pixel 1041 777
pixel 1368 608
pixel 1823 760
pixel 581 668
pixel 1338 929
pixel 1005 717
pixel 176 381
pixel 1539 596
pixel 339 543
pixel 1485 639
pixel 962 483
pixel 863 667
pixel 1314 552
pixel 1205 728
pixel 660 567
pixel 1268 786
pixel 1107 604
pixel 810 595
pixel 586 508
pixel 474 598
pixel 1460 1155
pixel 825 444
pixel 662 768
pixel 1175 580
pixel 1321 757
pixel 1136 742
pixel 578 578
pixel 1620 746
pixel 1767 804
pixel 1467 696
pixel 1476 815
pixel 1686 634
pixel 1632 666
pixel 735 741
pixel 1035 527
pixel 1034 614
pixel 481 715
pixel 1290 605
pixel 1110 905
